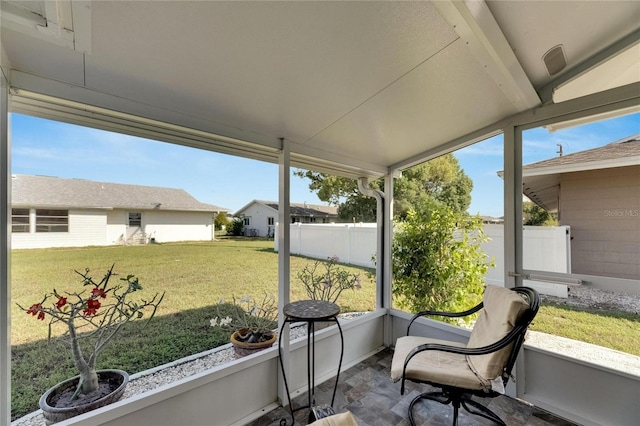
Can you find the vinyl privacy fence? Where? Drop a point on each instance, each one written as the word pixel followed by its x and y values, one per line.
pixel 546 248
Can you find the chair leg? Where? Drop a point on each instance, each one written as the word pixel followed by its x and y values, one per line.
pixel 456 400
pixel 433 396
pixel 480 410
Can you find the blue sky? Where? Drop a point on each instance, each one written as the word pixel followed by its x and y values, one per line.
pixel 43 147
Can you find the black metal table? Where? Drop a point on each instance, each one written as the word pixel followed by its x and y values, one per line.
pixel 310 311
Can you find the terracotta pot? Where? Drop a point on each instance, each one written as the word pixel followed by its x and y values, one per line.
pixel 116 379
pixel 244 348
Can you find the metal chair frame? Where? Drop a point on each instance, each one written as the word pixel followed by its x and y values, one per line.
pixel 461 397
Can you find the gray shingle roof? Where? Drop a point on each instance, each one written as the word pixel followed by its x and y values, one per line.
pixel 541 180
pixel 45 191
pixel 299 209
pixel 624 148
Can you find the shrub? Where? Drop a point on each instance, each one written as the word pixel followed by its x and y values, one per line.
pixel 437 261
pixel 235 228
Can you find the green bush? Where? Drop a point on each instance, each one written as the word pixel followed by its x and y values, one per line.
pixel 220 221
pixel 438 263
pixel 235 228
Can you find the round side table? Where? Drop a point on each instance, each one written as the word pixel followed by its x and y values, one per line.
pixel 310 311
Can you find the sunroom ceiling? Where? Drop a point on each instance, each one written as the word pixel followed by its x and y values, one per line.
pixel 355 87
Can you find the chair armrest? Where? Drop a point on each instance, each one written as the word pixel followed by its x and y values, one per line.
pixel 445 314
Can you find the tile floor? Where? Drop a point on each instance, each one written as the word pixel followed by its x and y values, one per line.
pixel 374 400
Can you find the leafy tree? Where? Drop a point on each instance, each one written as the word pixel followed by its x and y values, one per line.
pixel 440 179
pixel 437 260
pixel 535 215
pixel 220 220
pixel 235 227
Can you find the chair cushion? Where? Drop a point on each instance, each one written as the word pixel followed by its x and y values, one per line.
pixel 433 366
pixel 502 308
pixel 341 419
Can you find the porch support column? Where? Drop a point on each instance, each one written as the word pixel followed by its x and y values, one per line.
pixel 284 261
pixel 364 188
pixel 513 230
pixel 5 259
pixel 512 206
pixel 387 272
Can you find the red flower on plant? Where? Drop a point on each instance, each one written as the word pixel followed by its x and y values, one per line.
pixel 36 309
pixel 98 292
pixel 92 307
pixel 61 302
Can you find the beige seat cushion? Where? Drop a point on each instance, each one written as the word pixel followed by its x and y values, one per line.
pixel 341 419
pixel 502 308
pixel 435 366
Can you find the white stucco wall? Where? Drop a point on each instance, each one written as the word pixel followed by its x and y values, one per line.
pixel 116 226
pixel 109 227
pixel 167 226
pixel 259 215
pixel 86 228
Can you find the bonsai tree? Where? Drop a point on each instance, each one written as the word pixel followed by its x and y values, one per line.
pixel 325 280
pixel 93 316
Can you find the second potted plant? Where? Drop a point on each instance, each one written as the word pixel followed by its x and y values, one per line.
pixel 93 316
pixel 250 322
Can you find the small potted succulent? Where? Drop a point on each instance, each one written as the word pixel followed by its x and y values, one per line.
pixel 93 316
pixel 250 322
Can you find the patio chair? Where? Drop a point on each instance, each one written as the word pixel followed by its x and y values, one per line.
pixel 341 419
pixel 481 367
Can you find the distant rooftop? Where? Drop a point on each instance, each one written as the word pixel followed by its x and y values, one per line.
pixel 621 149
pixel 541 180
pixel 299 209
pixel 54 192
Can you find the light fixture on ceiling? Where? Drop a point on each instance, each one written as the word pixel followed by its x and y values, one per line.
pixel 555 60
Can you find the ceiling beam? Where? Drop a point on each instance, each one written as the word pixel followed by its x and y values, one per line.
pixel 475 24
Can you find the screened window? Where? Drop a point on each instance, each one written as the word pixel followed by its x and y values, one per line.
pixel 135 219
pixel 19 220
pixel 52 220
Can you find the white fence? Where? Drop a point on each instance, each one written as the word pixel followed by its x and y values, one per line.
pixel 354 244
pixel 546 248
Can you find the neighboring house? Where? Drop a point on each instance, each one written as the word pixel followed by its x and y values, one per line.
pixel 55 212
pixel 490 220
pixel 597 193
pixel 260 217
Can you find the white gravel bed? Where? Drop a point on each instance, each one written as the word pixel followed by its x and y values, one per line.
pixel 578 296
pixel 593 298
pixel 159 376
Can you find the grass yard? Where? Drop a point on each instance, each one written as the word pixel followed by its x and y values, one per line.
pixel 196 276
pixel 611 329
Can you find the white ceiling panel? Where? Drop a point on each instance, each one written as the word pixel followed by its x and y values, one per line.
pixel 42 57
pixel 419 110
pixel 361 85
pixel 581 27
pixel 282 69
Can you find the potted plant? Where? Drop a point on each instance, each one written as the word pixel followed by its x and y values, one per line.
pixel 92 316
pixel 250 322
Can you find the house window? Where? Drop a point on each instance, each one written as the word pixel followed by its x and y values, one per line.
pixel 246 221
pixel 52 220
pixel 135 219
pixel 271 221
pixel 19 220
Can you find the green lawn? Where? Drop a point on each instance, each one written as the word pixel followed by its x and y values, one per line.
pixel 196 276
